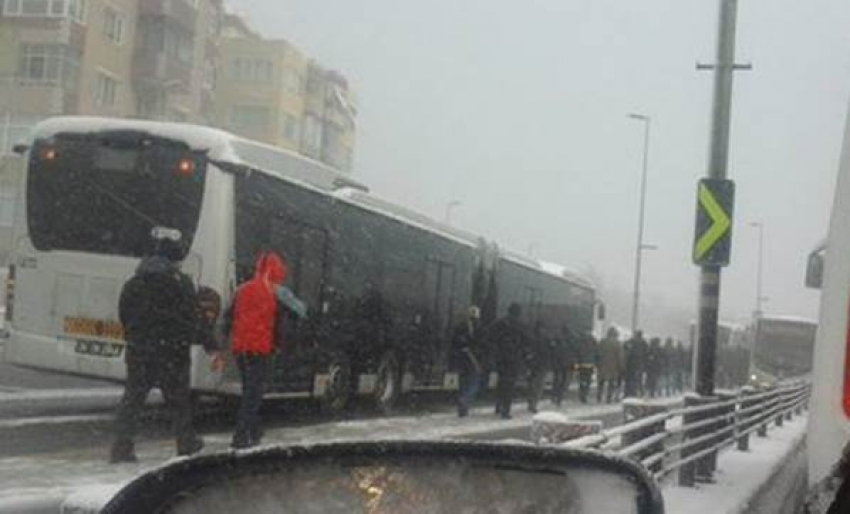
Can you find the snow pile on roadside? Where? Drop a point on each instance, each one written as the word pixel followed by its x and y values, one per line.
pixel 740 474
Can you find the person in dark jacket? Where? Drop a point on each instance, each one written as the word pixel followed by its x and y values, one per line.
pixel 468 348
pixel 254 322
pixel 509 338
pixel 539 362
pixel 564 360
pixel 162 318
pixel 681 365
pixel 632 370
pixel 654 367
pixel 588 357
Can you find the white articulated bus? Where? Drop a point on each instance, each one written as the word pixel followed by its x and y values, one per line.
pixel 384 285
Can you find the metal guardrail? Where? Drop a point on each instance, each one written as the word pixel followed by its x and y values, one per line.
pixel 688 439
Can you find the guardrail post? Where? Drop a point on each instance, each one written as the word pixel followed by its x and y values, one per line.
pixel 635 409
pixel 723 397
pixel 743 420
pixel 699 469
pixel 762 430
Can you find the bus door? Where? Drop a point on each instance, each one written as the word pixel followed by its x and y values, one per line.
pixel 305 250
pixel 440 284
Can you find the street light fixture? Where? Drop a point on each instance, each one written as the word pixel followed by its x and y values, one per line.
pixel 760 299
pixel 639 249
pixel 449 208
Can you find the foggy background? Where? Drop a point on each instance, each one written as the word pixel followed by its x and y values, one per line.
pixel 518 110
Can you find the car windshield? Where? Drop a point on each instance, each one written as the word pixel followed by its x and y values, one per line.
pixel 607 226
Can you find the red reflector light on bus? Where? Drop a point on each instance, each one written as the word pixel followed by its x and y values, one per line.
pixel 49 154
pixel 185 167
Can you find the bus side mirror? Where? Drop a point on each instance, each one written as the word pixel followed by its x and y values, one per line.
pixel 814 269
pixel 600 312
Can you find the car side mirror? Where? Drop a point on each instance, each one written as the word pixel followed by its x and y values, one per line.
pixel 20 149
pixel 815 268
pixel 395 477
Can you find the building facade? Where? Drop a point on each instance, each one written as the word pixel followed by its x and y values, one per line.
pixel 270 91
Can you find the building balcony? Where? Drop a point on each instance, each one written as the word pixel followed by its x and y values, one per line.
pixel 158 70
pixel 179 11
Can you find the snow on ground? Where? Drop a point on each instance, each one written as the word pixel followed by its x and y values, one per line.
pixel 739 474
pixel 81 469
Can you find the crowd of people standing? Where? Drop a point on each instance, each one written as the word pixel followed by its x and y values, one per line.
pixel 631 368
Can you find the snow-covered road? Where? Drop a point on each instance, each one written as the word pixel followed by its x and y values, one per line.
pixel 57 475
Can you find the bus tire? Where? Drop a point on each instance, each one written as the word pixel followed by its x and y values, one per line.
pixel 338 391
pixel 387 383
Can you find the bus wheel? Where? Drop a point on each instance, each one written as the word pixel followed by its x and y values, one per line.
pixel 338 390
pixel 387 383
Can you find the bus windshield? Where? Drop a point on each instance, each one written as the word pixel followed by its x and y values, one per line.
pixel 103 193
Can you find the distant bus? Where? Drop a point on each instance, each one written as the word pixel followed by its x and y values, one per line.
pixel 783 347
pixel 384 285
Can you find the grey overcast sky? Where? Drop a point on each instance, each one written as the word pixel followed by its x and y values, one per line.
pixel 518 109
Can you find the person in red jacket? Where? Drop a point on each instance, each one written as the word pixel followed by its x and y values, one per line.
pixel 251 321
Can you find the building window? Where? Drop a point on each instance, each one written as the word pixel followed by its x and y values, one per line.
pixel 311 136
pixel 289 127
pixel 113 25
pixel 74 9
pixel 49 64
pixel 293 82
pixel 249 120
pixel 252 70
pixel 106 90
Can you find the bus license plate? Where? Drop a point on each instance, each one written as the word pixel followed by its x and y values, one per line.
pixel 99 349
pixel 88 327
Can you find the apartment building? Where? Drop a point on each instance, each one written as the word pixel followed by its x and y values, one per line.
pixel 270 91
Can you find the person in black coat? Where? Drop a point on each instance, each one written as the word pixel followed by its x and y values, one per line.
pixel 162 318
pixel 469 354
pixel 564 359
pixel 654 367
pixel 509 339
pixel 633 369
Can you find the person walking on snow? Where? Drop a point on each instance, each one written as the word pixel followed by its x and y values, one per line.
pixel 254 322
pixel 162 318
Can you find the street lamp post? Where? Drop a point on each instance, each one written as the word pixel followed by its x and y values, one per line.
pixel 647 125
pixel 449 208
pixel 760 273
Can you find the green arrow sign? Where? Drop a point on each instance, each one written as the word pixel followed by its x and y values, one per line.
pixel 715 205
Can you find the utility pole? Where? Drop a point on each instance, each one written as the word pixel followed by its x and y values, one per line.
pixel 640 247
pixel 709 300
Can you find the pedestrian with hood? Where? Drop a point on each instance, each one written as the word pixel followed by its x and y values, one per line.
pixel 470 355
pixel 255 323
pixel 162 319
